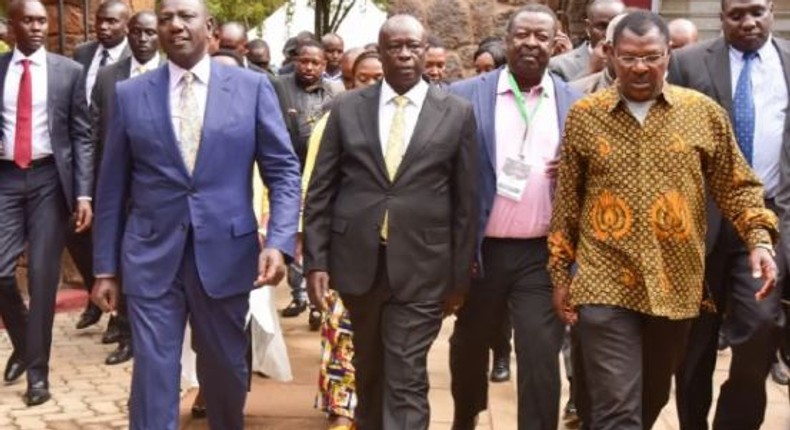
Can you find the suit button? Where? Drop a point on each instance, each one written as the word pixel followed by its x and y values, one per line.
pixel 183 226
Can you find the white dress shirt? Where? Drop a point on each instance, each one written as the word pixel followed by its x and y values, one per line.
pixel 93 70
pixel 152 64
pixel 416 96
pixel 202 72
pixel 42 145
pixel 769 90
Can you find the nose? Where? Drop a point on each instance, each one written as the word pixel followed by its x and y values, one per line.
pixel 640 66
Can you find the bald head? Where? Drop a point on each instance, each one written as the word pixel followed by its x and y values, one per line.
pixel 402 42
pixel 599 14
pixel 403 23
pixel 29 23
pixel 347 66
pixel 233 37
pixel 682 32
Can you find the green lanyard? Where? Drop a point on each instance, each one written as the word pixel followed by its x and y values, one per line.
pixel 522 107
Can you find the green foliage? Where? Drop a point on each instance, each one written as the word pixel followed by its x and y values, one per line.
pixel 250 12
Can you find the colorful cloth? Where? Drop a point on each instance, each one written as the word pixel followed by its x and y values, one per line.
pixel 337 388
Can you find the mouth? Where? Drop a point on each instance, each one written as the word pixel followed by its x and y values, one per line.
pixel 179 41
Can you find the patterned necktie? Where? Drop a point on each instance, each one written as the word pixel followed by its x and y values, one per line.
pixel 743 104
pixel 23 145
pixel 394 152
pixel 191 123
pixel 105 58
pixel 139 70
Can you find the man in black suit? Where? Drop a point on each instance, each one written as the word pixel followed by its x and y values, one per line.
pixel 390 222
pixel 111 46
pixel 747 67
pixel 258 54
pixel 46 174
pixel 144 44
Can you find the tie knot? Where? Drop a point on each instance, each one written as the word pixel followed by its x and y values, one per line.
pixel 400 101
pixel 25 63
pixel 749 55
pixel 140 69
pixel 188 78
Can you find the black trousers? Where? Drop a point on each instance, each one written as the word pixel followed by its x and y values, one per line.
pixel 33 213
pixel 515 282
pixel 629 359
pixel 752 328
pixel 391 343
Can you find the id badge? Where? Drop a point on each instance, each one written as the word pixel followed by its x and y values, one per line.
pixel 512 181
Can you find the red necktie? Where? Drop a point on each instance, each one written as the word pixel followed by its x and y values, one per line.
pixel 23 148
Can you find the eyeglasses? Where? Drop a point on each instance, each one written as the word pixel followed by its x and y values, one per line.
pixel 649 60
pixel 413 47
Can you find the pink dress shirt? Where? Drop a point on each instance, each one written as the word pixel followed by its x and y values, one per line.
pixel 529 217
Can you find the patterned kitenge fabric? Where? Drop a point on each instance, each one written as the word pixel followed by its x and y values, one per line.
pixel 337 388
pixel 630 202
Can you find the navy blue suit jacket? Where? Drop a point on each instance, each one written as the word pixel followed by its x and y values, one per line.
pixel 147 202
pixel 481 92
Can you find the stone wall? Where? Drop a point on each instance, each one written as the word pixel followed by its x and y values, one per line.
pixel 73 21
pixel 461 24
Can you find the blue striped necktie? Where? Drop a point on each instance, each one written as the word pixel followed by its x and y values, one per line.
pixel 743 105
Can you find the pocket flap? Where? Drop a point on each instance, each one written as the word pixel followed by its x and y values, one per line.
pixel 436 235
pixel 339 225
pixel 140 226
pixel 242 225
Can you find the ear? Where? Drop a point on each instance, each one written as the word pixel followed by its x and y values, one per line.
pixel 211 24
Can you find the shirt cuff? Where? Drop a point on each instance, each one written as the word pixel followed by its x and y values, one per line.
pixel 104 276
pixel 84 199
pixel 759 236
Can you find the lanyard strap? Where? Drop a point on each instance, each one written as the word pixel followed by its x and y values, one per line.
pixel 521 103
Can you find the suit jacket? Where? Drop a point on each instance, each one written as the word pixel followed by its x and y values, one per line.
pixel 481 91
pixel 705 67
pixel 143 166
pixel 84 53
pixel 69 127
pixel 431 203
pixel 572 65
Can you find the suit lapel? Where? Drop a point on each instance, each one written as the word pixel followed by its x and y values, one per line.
pixel 53 73
pixel 5 61
pixel 487 102
pixel 219 97
pixel 431 115
pixel 157 95
pixel 783 47
pixel 718 62
pixel 124 69
pixel 368 113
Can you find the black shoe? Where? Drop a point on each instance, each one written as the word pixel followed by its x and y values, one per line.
pixel 113 332
pixel 121 354
pixel 464 423
pixel 314 320
pixel 500 370
pixel 37 393
pixel 723 342
pixel 779 375
pixel 89 317
pixel 14 368
pixel 294 309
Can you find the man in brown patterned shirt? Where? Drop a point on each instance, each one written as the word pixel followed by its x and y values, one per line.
pixel 630 213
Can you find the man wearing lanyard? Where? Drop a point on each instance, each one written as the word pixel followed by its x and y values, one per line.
pixel 520 111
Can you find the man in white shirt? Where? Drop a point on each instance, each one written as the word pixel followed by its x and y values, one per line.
pixel 110 47
pixel 46 173
pixel 390 222
pixel 144 44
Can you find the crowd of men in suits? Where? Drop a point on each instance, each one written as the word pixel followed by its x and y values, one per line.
pixel 622 201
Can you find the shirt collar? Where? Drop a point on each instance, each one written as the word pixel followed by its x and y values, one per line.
pixel 115 52
pixel 762 53
pixel 201 70
pixel 612 97
pixel 416 94
pixel 545 85
pixel 37 58
pixel 150 65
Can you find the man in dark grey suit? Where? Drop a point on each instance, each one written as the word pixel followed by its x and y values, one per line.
pixel 111 46
pixel 573 65
pixel 390 223
pixel 46 174
pixel 745 68
pixel 144 44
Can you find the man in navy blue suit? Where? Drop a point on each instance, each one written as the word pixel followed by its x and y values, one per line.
pixel 520 112
pixel 175 217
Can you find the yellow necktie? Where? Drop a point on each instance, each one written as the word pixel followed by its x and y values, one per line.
pixel 394 152
pixel 191 122
pixel 139 70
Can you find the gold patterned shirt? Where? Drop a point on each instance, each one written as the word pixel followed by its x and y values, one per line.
pixel 630 202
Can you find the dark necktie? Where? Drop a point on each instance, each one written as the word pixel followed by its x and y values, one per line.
pixel 23 148
pixel 743 105
pixel 105 58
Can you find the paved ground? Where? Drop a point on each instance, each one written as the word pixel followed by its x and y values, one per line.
pixel 87 395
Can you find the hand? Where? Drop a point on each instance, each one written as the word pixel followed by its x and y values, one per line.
pixel 271 267
pixel 562 43
pixel 105 294
pixel 763 266
pixel 552 167
pixel 318 289
pixel 83 216
pixel 452 303
pixel 562 305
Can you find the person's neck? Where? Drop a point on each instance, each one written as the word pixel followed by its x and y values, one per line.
pixel 306 85
pixel 402 89
pixel 526 83
pixel 112 44
pixel 143 60
pixel 332 71
pixel 27 51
